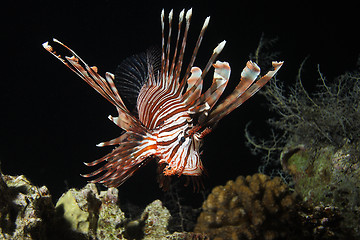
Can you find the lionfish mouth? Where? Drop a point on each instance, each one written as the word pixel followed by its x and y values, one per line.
pixel 161 105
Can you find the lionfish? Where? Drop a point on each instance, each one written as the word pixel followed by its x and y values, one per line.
pixel 163 110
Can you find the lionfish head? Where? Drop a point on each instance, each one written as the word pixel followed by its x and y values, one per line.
pixel 162 106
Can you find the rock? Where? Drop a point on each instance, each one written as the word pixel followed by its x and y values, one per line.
pixel 95 214
pixel 24 208
pixel 27 213
pixel 156 220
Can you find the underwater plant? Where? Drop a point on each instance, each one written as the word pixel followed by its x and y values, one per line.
pixel 329 116
pixel 315 142
pixel 173 114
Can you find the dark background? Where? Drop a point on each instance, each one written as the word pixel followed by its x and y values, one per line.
pixel 51 119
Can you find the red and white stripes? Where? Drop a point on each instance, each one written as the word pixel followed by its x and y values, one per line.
pixel 174 114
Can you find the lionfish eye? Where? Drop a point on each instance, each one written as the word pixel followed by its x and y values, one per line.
pixel 182 139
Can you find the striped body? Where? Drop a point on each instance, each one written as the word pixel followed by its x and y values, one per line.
pixel 172 112
pixel 164 112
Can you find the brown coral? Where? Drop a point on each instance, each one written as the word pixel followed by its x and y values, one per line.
pixel 255 207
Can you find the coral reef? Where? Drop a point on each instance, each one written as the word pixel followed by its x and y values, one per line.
pixel 27 213
pixel 255 207
pixel 319 222
pixel 24 208
pixel 317 135
pixel 328 116
pixel 157 218
pixel 98 216
pixel 329 176
pixel 258 207
pixel 92 213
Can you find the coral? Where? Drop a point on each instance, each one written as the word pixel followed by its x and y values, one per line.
pixel 24 208
pixel 92 213
pixel 318 140
pixel 255 207
pixel 330 176
pixel 187 236
pixel 98 216
pixel 328 116
pixel 157 218
pixel 77 218
pixel 258 207
pixel 109 216
pixel 27 213
pixel 153 224
pixel 320 222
